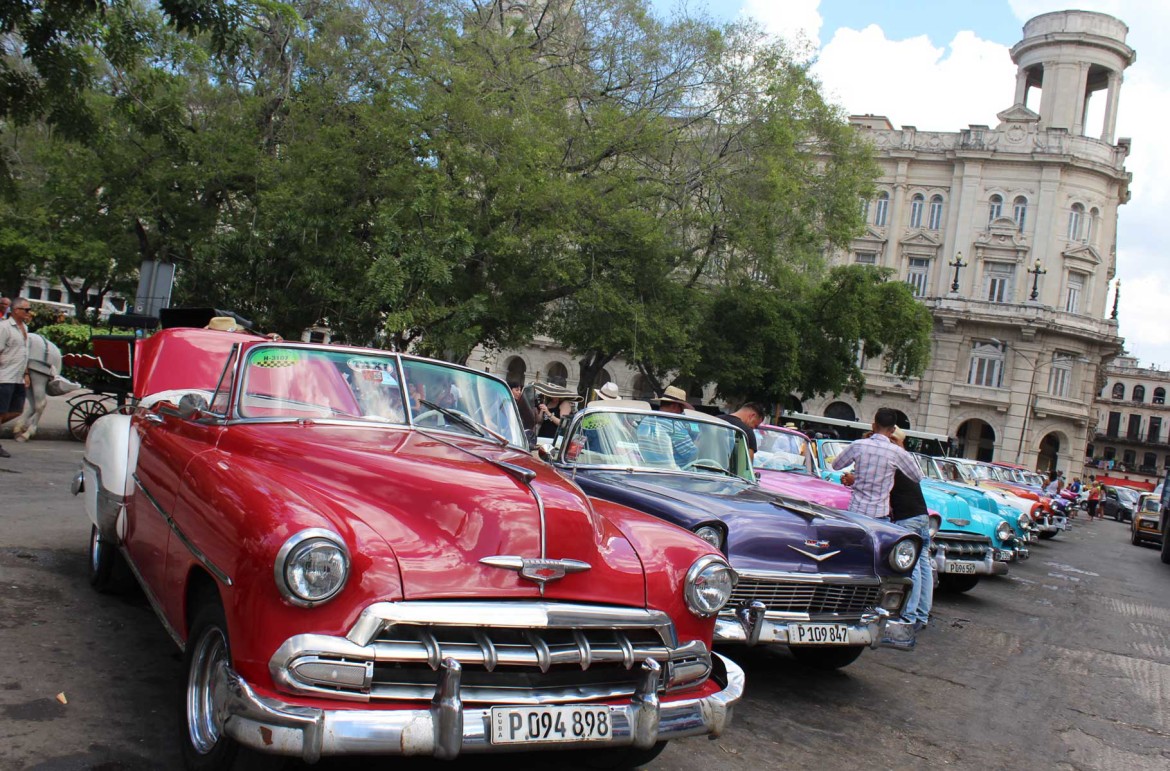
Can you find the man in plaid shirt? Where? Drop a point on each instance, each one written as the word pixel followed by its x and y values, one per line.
pixel 875 460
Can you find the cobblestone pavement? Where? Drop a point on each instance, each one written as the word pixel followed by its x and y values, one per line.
pixel 1065 663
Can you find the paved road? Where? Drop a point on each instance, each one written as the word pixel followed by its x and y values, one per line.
pixel 1064 664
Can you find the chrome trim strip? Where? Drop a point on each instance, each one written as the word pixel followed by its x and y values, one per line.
pixel 277 727
pixel 191 547
pixel 779 576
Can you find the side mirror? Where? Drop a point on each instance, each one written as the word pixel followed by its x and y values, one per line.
pixel 192 406
pixel 544 451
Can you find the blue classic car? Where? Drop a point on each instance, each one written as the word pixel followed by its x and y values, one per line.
pixel 821 581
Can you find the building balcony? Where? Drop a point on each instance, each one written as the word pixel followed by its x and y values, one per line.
pixel 1138 441
pixel 1030 318
pixel 963 393
pixel 1047 405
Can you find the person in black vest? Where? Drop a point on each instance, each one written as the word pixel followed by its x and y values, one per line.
pixel 908 509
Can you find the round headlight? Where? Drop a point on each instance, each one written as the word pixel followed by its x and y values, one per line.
pixel 709 584
pixel 904 555
pixel 711 535
pixel 311 567
pixel 1003 531
pixel 1025 521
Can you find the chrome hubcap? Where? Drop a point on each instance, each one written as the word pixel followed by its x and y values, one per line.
pixel 204 722
pixel 95 550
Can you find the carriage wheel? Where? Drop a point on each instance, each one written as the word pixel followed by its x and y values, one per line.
pixel 84 413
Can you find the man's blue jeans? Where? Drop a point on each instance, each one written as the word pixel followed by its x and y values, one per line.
pixel 917 608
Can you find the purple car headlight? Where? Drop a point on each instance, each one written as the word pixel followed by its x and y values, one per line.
pixel 904 555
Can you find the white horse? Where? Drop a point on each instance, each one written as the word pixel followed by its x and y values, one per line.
pixel 44 364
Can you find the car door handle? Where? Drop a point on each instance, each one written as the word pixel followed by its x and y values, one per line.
pixel 151 417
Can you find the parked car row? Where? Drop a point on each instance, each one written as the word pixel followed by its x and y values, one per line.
pixel 358 554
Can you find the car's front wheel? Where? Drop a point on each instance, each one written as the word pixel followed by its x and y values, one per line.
pixel 821 657
pixel 1046 534
pixel 1133 537
pixel 205 745
pixel 956 583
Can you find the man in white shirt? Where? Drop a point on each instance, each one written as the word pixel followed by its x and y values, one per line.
pixel 14 362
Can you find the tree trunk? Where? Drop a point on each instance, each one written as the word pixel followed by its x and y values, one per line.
pixel 589 368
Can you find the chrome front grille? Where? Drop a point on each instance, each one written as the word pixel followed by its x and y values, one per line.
pixel 813 599
pixel 509 652
pixel 963 549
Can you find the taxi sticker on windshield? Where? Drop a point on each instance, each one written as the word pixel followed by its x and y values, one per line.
pixel 275 357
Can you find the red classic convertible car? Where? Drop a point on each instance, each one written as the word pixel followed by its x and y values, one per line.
pixel 358 556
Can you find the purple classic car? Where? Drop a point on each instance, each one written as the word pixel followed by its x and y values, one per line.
pixel 820 581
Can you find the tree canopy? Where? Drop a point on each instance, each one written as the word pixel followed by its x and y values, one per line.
pixel 433 175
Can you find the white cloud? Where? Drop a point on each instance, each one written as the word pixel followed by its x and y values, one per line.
pixel 796 21
pixel 912 82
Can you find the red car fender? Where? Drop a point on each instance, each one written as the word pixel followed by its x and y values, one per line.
pixel 667 552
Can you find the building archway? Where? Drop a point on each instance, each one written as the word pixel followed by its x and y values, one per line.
pixel 558 374
pixel 840 411
pixel 515 370
pixel 1048 456
pixel 643 389
pixel 902 420
pixel 975 439
pixel 792 404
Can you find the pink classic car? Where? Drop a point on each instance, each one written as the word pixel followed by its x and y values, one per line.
pixel 785 465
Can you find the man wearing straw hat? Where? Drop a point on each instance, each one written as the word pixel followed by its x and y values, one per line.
pixel 663 439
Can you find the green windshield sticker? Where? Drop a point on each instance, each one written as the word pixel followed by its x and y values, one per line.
pixel 275 357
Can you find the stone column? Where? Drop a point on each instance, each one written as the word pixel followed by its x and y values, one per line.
pixel 1082 99
pixel 1114 91
pixel 1021 87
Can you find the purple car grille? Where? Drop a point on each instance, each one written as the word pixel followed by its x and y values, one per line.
pixel 780 596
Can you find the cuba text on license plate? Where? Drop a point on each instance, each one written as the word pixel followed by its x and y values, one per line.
pixel 526 725
pixel 818 634
pixel 960 567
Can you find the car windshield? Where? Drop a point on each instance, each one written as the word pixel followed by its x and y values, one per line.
pixel 1127 495
pixel 782 451
pixel 1151 503
pixel 954 472
pixel 830 449
pixel 977 471
pixel 287 382
pixel 640 439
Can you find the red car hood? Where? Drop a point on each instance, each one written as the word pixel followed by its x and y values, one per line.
pixel 441 509
pixel 805 487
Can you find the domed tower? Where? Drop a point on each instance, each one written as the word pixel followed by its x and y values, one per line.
pixel 1070 56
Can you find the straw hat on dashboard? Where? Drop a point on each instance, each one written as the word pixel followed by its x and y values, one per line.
pixel 223 324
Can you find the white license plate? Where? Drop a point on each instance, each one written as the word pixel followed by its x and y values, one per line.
pixel 960 567
pixel 818 634
pixel 528 725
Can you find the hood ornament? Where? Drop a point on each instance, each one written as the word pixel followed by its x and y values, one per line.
pixel 815 545
pixel 539 570
pixel 959 522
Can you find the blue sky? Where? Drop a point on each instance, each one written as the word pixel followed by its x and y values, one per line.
pixel 944 65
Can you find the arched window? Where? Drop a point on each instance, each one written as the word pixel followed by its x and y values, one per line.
pixel 1092 225
pixel 935 220
pixel 1076 222
pixel 1119 390
pixel 1139 393
pixel 881 209
pixel 1020 212
pixel 1159 395
pixel 916 205
pixel 515 370
pixel 558 374
pixel 994 208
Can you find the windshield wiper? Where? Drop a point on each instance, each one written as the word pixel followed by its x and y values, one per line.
pixel 480 429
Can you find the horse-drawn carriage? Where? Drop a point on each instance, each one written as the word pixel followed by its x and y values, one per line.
pixel 106 375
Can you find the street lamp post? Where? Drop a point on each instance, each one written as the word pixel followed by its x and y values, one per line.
pixel 957 264
pixel 1035 366
pixel 1036 272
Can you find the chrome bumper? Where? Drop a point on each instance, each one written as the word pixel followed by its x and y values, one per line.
pixel 751 626
pixel 447 729
pixel 984 567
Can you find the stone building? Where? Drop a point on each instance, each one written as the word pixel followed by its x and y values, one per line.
pixel 1132 436
pixel 1008 234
